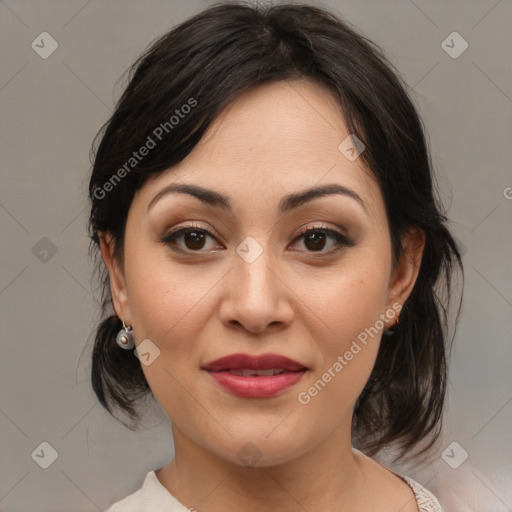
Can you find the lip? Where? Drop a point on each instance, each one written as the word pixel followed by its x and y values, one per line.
pixel 257 386
pixel 247 362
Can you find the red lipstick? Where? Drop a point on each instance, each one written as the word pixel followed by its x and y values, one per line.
pixel 262 376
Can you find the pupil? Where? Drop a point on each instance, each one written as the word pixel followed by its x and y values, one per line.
pixel 318 240
pixel 196 238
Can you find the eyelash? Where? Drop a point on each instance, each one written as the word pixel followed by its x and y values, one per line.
pixel 341 240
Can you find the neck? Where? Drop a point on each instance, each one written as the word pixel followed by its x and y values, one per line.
pixel 328 474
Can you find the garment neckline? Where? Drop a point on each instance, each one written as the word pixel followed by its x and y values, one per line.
pixel 152 478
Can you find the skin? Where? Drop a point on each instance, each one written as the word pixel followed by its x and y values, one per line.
pixel 309 305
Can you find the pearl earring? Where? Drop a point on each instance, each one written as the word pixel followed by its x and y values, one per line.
pixel 125 338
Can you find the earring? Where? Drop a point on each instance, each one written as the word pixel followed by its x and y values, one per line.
pixel 125 338
pixel 389 332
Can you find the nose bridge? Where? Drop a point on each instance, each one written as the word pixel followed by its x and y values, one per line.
pixel 254 271
pixel 258 295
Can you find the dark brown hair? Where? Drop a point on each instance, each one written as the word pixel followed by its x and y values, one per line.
pixel 210 60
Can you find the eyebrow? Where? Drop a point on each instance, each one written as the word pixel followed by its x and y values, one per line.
pixel 287 203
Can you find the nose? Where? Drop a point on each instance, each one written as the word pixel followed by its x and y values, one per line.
pixel 258 296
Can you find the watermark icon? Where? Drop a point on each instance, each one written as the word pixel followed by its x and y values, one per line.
pixel 249 250
pixel 454 455
pixel 147 352
pixel 507 192
pixel 304 397
pixel 44 250
pixel 454 45
pixel 45 455
pixel 249 455
pixel 351 147
pixel 151 142
pixel 44 45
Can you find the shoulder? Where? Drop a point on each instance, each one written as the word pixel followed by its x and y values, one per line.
pixel 427 502
pixel 396 490
pixel 131 503
pixel 151 497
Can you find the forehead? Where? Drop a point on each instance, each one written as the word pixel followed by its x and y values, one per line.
pixel 275 139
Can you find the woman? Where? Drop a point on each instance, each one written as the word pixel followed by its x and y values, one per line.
pixel 262 199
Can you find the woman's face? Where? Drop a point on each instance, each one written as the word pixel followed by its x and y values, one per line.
pixel 257 285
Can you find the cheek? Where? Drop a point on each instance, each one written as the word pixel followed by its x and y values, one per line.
pixel 170 305
pixel 167 308
pixel 164 297
pixel 345 320
pixel 348 300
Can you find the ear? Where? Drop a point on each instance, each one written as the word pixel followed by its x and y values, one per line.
pixel 406 271
pixel 117 281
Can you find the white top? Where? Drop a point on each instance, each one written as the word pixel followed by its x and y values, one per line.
pixel 154 497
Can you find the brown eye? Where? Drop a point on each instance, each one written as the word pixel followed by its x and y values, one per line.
pixel 194 239
pixel 316 238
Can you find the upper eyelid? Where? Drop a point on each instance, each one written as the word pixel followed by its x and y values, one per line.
pixel 301 232
pixel 307 227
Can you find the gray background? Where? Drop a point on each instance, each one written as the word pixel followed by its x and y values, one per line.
pixel 52 108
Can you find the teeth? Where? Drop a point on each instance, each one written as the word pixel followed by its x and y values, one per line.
pixel 249 373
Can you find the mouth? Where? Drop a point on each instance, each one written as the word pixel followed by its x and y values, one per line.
pixel 256 376
pixel 258 373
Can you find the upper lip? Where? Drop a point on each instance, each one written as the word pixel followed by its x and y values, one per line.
pixel 248 362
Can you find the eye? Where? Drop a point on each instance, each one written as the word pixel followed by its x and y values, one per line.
pixel 315 239
pixel 194 238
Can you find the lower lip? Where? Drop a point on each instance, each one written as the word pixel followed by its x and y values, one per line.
pixel 257 386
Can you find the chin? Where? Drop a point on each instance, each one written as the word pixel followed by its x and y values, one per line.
pixel 261 452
